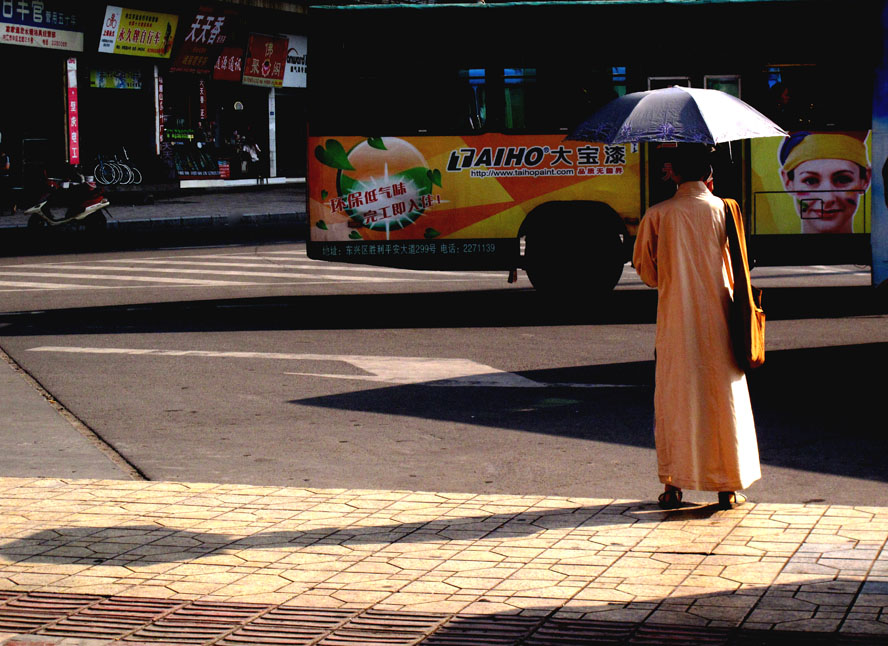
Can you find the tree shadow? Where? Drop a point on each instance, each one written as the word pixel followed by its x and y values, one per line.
pixel 814 408
pixel 510 307
pixel 152 543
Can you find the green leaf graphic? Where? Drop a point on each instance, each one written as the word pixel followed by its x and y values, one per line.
pixel 321 225
pixel 333 155
pixel 431 233
pixel 324 195
pixel 354 235
pixel 435 177
pixel 376 142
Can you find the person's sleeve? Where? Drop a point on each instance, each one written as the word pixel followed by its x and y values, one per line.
pixel 644 256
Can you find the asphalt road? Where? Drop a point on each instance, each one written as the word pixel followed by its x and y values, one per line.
pixel 254 365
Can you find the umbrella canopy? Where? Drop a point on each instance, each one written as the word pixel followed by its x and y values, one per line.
pixel 676 114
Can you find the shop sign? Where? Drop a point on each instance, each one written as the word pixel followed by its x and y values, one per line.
pixel 295 73
pixel 208 32
pixel 161 114
pixel 265 60
pixel 137 33
pixel 115 79
pixel 39 23
pixel 229 65
pixel 202 98
pixel 72 108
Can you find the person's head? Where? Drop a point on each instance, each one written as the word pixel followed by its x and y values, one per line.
pixel 691 163
pixel 826 174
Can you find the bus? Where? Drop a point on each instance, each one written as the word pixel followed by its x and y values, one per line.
pixel 438 133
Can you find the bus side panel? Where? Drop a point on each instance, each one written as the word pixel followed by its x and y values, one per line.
pixel 415 200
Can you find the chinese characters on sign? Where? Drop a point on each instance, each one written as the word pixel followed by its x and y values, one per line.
pixel 265 60
pixel 296 72
pixel 137 33
pixel 39 23
pixel 73 122
pixel 383 203
pixel 229 65
pixel 539 161
pixel 208 33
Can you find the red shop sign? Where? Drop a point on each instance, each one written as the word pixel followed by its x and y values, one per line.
pixel 265 60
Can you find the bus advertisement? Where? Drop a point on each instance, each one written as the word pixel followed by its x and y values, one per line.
pixel 393 197
pixel 425 153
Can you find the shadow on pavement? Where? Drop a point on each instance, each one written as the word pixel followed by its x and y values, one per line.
pixel 465 309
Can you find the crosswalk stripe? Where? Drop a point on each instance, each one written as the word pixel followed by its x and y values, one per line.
pixel 153 279
pixel 171 270
pixel 31 285
pixel 311 264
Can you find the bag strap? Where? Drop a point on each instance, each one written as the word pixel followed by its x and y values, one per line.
pixel 737 245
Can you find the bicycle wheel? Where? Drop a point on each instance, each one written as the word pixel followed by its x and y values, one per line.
pixel 104 174
pixel 137 175
pixel 126 174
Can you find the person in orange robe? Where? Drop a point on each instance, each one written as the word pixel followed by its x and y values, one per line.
pixel 703 423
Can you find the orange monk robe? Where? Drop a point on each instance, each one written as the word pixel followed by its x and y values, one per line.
pixel 703 424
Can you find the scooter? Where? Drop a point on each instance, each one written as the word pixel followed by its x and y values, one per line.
pixel 78 195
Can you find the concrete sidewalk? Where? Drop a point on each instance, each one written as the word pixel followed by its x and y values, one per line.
pixel 112 559
pixel 171 209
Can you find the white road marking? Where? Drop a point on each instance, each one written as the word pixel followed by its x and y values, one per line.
pixel 204 272
pixel 390 370
pixel 30 285
pixel 145 279
pixel 305 264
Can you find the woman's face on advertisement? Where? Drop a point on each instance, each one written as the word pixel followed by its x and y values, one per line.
pixel 826 192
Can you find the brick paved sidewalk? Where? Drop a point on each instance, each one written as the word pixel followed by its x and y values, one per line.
pixel 101 561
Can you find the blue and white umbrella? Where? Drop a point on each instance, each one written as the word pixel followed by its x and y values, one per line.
pixel 676 114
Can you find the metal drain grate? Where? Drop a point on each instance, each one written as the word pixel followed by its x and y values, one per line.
pixel 384 628
pixel 199 622
pixel 292 626
pixel 151 621
pixel 111 618
pixel 569 632
pixel 29 612
pixel 495 630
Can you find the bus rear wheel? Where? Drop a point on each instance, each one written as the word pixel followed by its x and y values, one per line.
pixel 568 267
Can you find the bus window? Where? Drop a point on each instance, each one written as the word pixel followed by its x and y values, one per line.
pixel 474 98
pixel 815 97
pixel 557 99
pixel 659 82
pixel 729 84
pixel 619 79
pixel 519 85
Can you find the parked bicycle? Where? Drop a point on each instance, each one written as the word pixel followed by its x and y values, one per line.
pixel 115 170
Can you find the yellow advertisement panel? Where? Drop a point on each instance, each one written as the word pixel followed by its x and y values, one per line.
pixel 812 182
pixel 433 189
pixel 137 33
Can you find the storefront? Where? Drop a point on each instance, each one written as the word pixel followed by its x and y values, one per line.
pixel 36 39
pixel 179 88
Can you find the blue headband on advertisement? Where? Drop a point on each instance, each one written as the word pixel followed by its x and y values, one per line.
pixel 789 143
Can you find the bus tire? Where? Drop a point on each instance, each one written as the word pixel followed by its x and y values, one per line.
pixel 570 252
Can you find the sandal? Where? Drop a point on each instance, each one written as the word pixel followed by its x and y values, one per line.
pixel 670 499
pixel 730 499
